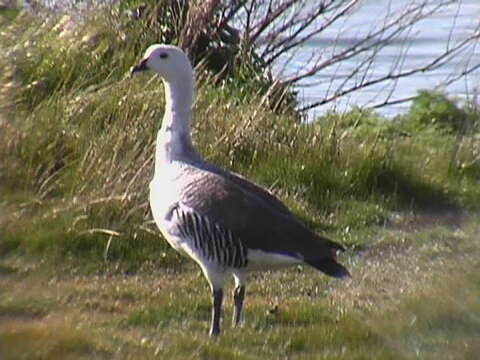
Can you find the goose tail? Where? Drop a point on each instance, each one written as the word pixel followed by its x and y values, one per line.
pixel 330 267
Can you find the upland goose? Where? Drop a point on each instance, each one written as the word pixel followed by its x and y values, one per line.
pixel 225 223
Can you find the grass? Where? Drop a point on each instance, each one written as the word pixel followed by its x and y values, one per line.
pixel 86 274
pixel 414 293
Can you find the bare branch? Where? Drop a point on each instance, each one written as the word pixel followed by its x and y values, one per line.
pixel 372 41
pixel 276 29
pixel 435 63
pixel 293 41
pixel 445 83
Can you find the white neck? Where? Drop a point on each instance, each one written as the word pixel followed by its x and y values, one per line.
pixel 174 140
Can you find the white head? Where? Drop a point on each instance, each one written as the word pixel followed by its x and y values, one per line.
pixel 169 61
pixel 173 65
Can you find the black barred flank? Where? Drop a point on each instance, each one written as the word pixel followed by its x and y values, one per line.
pixel 214 242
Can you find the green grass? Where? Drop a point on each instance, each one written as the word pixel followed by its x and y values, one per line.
pixel 414 293
pixel 29 308
pixel 88 276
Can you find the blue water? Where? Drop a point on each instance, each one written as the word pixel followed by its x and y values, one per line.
pixel 428 39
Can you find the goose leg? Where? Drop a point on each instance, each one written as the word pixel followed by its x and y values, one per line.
pixel 216 312
pixel 238 296
pixel 216 278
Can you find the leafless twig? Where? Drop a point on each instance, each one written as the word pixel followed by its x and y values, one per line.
pixel 276 29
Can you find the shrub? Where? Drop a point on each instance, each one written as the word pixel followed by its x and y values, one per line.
pixel 432 109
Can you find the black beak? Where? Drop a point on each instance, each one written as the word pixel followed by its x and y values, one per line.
pixel 140 67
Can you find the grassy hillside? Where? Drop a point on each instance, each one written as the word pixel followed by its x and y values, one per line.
pixel 87 274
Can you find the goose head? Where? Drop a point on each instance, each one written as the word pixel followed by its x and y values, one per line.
pixel 169 61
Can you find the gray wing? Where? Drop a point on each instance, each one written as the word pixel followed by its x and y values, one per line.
pixel 249 186
pixel 257 220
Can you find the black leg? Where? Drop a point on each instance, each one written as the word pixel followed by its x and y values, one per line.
pixel 216 312
pixel 238 296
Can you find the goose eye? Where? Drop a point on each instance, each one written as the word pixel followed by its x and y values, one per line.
pixel 163 55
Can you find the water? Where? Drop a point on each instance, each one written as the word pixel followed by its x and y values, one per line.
pixel 428 39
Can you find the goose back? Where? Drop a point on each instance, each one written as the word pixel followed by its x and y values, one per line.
pixel 245 212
